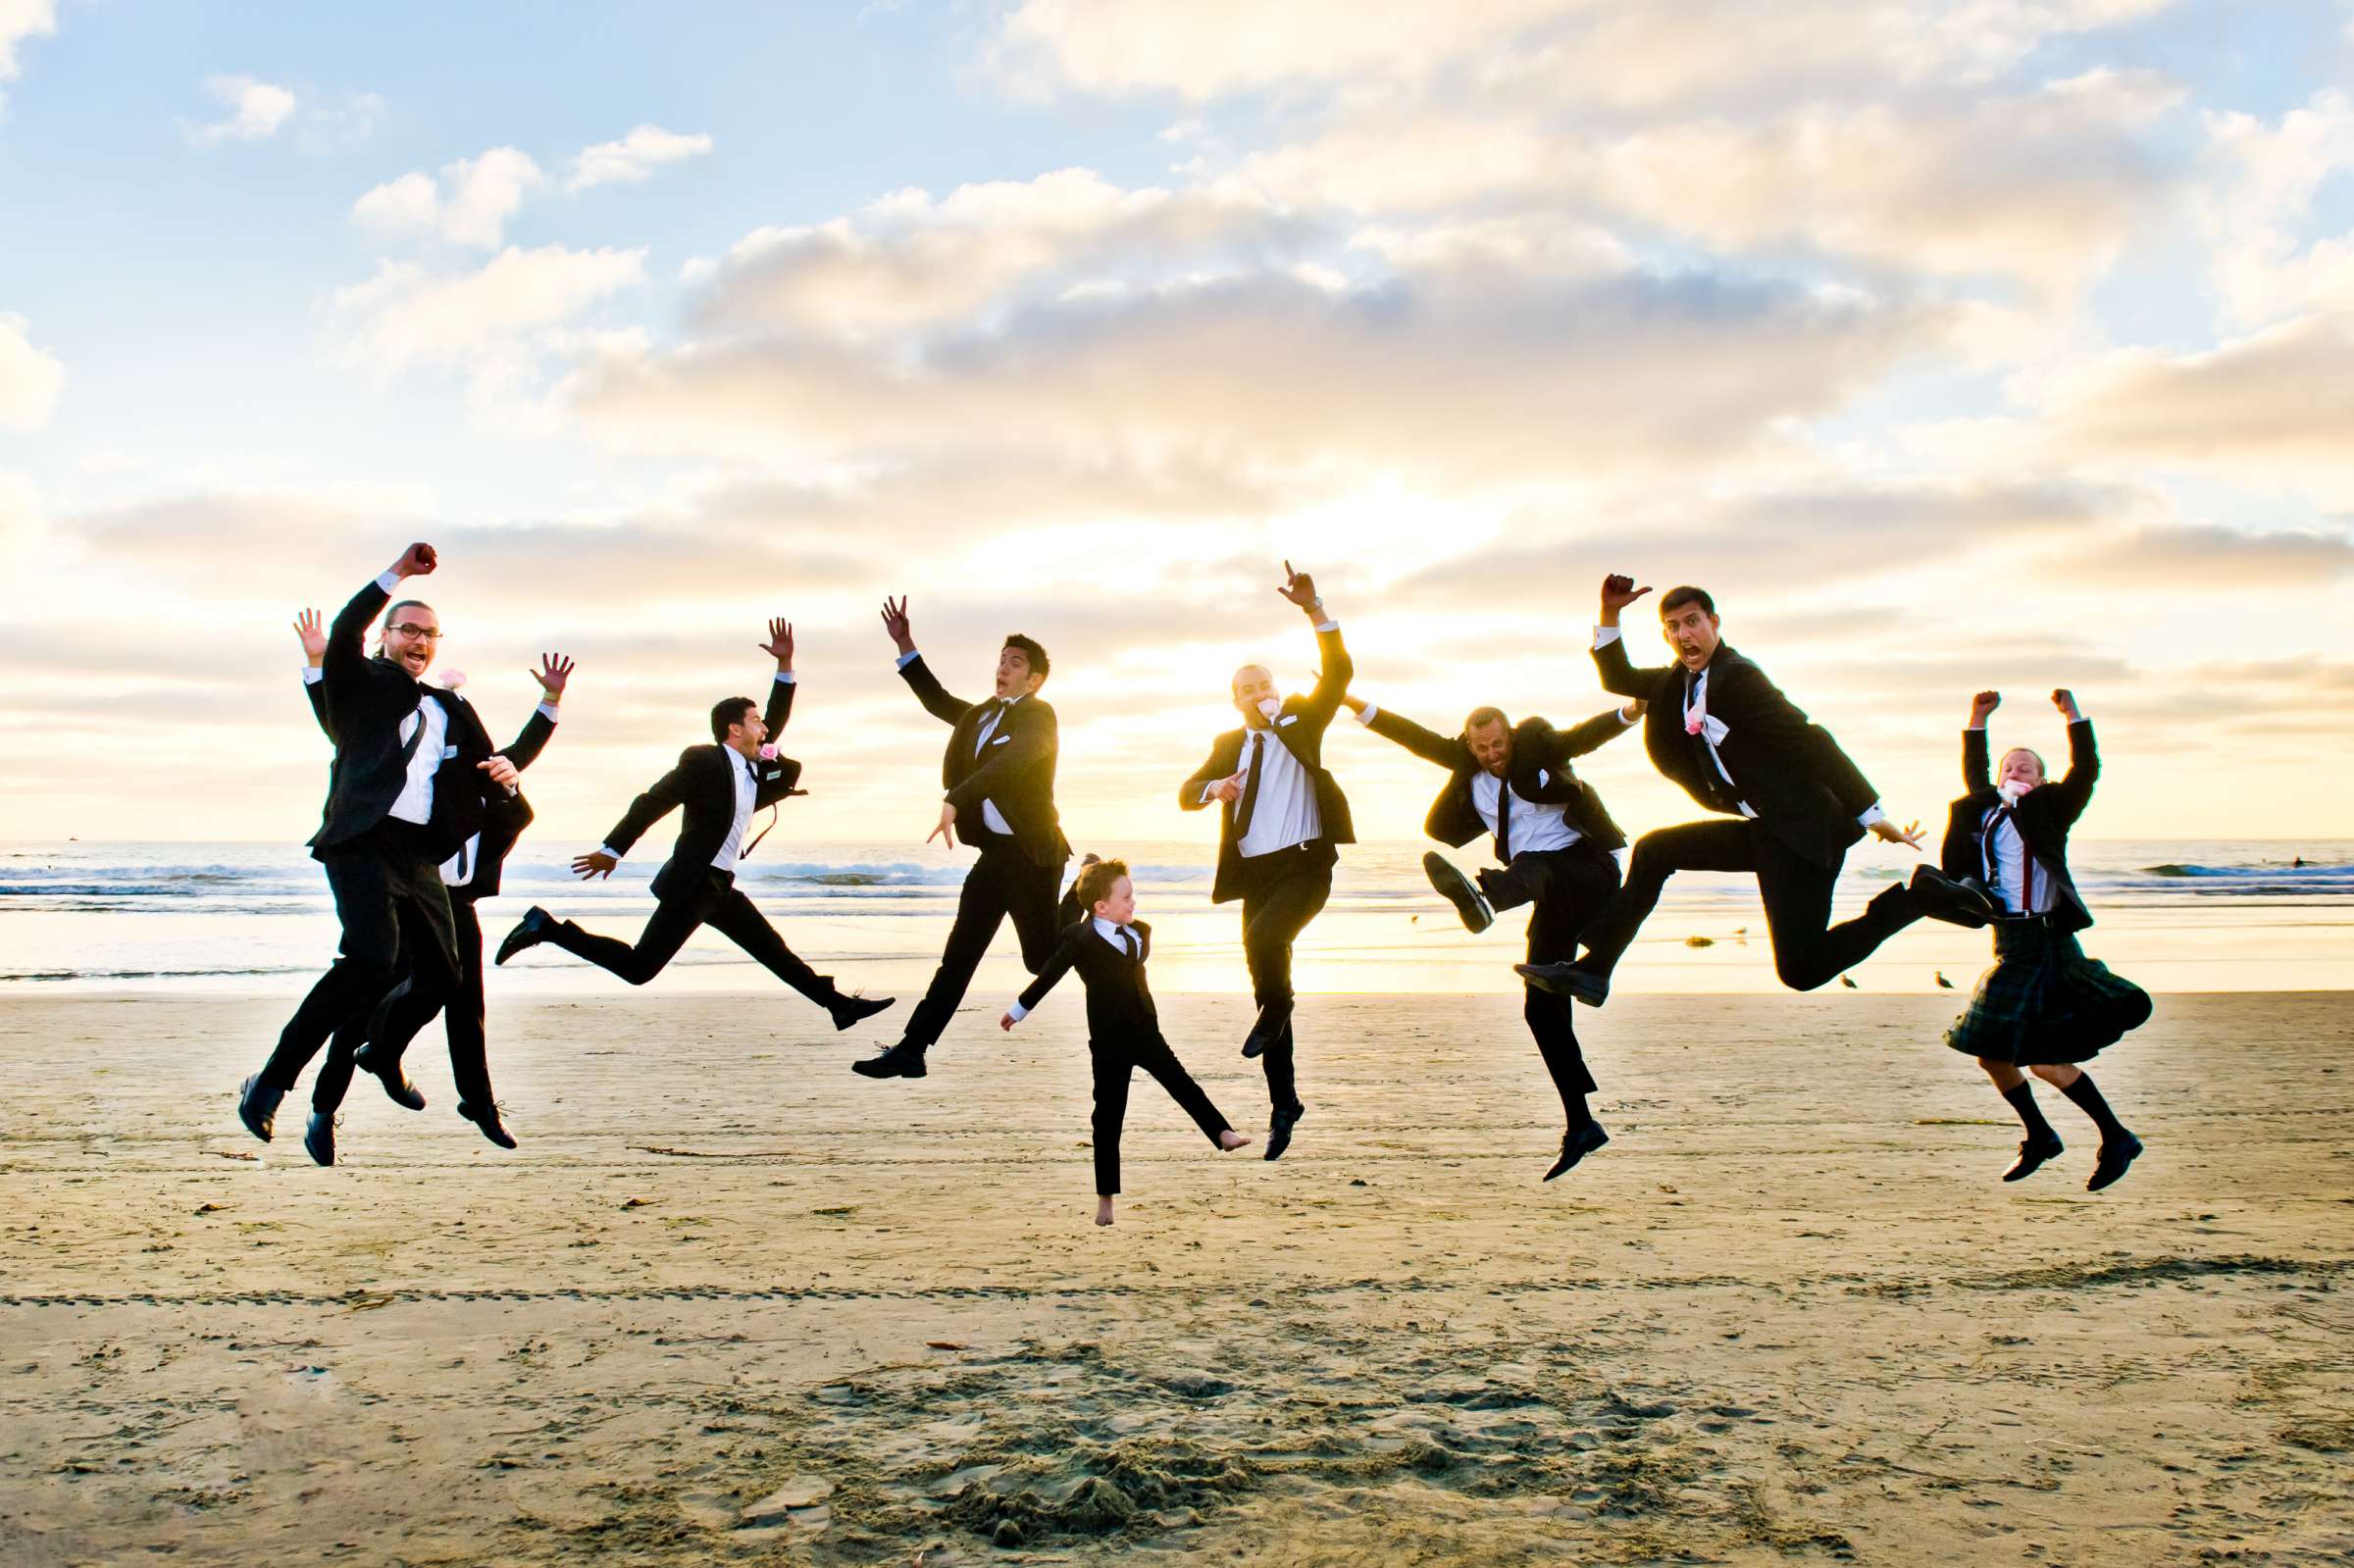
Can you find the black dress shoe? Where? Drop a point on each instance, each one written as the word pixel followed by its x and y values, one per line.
pixel 900 1061
pixel 2033 1152
pixel 1279 1130
pixel 397 1087
pixel 1955 903
pixel 1455 888
pixel 1273 1019
pixel 257 1106
pixel 1576 1145
pixel 2117 1155
pixel 319 1137
pixel 486 1117
pixel 1589 985
pixel 850 1009
pixel 530 931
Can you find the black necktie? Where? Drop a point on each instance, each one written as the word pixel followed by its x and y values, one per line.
pixel 1504 819
pixel 1129 936
pixel 1242 813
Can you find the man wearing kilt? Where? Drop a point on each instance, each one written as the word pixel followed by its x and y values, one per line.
pixel 2044 1005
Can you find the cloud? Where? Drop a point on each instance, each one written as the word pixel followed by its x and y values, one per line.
pixel 908 259
pixel 469 204
pixel 635 156
pixel 29 379
pixel 2261 185
pixel 1471 366
pixel 256 111
pixel 21 19
pixel 1620 51
pixel 2271 411
pixel 2195 558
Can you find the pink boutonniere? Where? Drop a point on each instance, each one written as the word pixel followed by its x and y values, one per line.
pixel 1692 722
pixel 768 753
pixel 451 679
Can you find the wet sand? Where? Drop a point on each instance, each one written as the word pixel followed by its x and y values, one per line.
pixel 731 1303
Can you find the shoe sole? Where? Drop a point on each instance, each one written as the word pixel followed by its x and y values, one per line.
pixel 865 1070
pixel 1562 988
pixel 1449 882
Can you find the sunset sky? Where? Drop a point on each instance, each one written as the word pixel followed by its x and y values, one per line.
pixel 2000 342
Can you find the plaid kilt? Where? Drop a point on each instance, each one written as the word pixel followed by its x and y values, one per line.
pixel 2044 1003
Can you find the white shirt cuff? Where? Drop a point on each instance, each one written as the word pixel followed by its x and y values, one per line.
pixel 907 658
pixel 1017 1012
pixel 1605 635
pixel 785 678
pixel 1365 715
pixel 608 851
pixel 548 711
pixel 389 582
pixel 312 675
pixel 1871 814
pixel 1323 627
pixel 1978 729
pixel 1210 792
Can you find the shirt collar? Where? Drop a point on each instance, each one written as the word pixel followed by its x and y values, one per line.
pixel 1109 931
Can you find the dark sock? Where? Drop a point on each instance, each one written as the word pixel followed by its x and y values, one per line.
pixel 1580 1115
pixel 2022 1096
pixel 2088 1101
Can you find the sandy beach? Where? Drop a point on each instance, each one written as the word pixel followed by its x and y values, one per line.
pixel 728 1303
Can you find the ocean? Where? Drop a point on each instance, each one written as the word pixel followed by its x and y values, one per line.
pixel 2174 914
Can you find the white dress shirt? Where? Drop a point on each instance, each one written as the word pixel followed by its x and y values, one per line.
pixel 1712 730
pixel 1285 814
pixel 2007 865
pixel 748 791
pixel 990 817
pixel 415 802
pixel 1537 825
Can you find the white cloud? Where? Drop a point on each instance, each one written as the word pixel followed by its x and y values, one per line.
pixel 29 379
pixel 1611 51
pixel 256 111
pixel 469 204
pixel 2262 181
pixel 635 156
pixel 21 19
pixel 907 259
pixel 406 315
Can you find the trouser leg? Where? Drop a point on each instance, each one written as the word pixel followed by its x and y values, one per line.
pixel 666 931
pixel 981 908
pixel 1808 949
pixel 1111 1068
pixel 736 917
pixel 368 953
pixel 1574 888
pixel 1723 845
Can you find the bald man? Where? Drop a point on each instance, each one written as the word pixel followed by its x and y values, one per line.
pixel 1281 819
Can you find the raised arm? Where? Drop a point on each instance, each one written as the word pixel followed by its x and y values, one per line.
pixel 1428 744
pixel 348 638
pixel 311 631
pixel 779 648
pixel 1332 681
pixel 2083 759
pixel 554 670
pixel 1592 734
pixel 917 674
pixel 1978 767
pixel 1621 675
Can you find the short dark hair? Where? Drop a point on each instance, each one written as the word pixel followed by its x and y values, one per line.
pixel 1039 663
pixel 728 711
pixel 1677 598
pixel 1095 881
pixel 1481 718
pixel 393 614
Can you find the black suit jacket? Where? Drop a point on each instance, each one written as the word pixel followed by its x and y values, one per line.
pixel 468 808
pixel 1119 1002
pixel 361 702
pixel 1016 770
pixel 2043 817
pixel 1299 728
pixel 703 783
pixel 1540 770
pixel 1803 788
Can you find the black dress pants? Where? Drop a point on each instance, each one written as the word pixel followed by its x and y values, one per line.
pixel 1285 890
pixel 1005 881
pixel 1808 949
pixel 717 902
pixel 1568 888
pixel 394 911
pixel 405 1010
pixel 1114 1061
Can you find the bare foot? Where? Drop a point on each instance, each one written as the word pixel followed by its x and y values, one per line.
pixel 1103 1211
pixel 1231 1140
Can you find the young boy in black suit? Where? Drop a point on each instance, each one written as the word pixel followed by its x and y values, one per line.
pixel 1108 948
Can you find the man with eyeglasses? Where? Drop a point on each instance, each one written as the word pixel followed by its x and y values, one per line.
pixel 386 826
